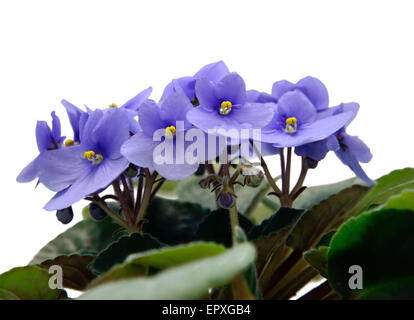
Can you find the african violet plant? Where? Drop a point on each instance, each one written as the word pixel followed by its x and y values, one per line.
pixel 195 212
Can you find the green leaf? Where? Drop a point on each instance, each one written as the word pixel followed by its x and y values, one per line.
pixel 27 283
pixel 326 239
pixel 190 191
pixel 318 259
pixel 173 256
pixel 173 222
pixel 136 264
pixel 387 186
pixel 314 195
pixel 404 201
pixel 188 281
pixel 216 227
pixel 324 217
pixel 86 237
pixel 7 295
pixel 117 251
pixel 282 219
pixel 381 243
pixel 250 274
pixel 76 274
pixel 120 272
pixel 269 238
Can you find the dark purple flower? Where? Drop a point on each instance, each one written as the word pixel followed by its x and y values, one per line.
pixel 351 151
pixel 226 200
pixel 80 170
pixel 223 105
pixel 168 122
pixel 47 139
pixel 317 150
pixel 186 85
pixel 65 215
pixel 297 121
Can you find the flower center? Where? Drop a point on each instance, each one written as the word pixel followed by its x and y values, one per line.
pixel 225 107
pixel 93 157
pixel 170 132
pixel 291 125
pixel 69 143
pixel 113 105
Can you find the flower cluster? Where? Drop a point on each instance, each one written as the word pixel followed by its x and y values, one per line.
pixel 143 142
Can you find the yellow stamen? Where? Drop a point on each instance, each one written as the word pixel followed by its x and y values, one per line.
pixel 69 143
pixel 93 157
pixel 113 105
pixel 170 132
pixel 89 155
pixel 291 120
pixel 291 125
pixel 225 107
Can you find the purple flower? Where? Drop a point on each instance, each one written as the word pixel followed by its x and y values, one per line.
pixel 318 150
pixel 167 121
pixel 311 87
pixel 297 121
pixel 261 97
pixel 351 151
pixel 79 170
pixel 186 85
pixel 47 139
pixel 78 117
pixel 224 105
pixel 74 114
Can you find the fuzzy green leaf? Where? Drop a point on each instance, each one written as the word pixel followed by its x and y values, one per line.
pixel 188 281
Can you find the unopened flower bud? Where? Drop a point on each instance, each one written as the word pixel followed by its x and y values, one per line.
pixel 96 212
pixel 254 180
pixel 311 164
pixel 226 200
pixel 65 215
pixel 132 171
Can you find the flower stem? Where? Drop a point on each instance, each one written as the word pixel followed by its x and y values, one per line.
pixel 158 187
pixel 139 193
pixel 234 222
pixel 101 203
pixel 124 203
pixel 149 181
pixel 211 171
pixel 234 215
pixel 288 166
pixel 127 191
pixel 267 172
pixel 285 197
pixel 304 170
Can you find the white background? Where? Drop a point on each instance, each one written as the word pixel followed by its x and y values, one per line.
pixel 99 52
